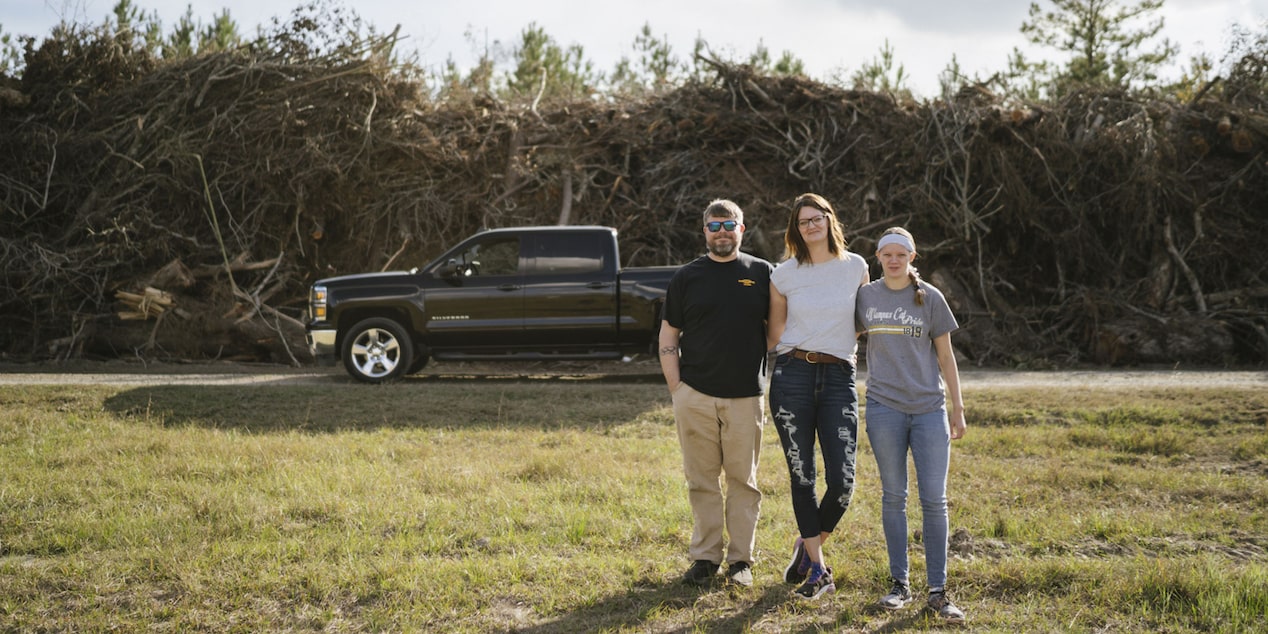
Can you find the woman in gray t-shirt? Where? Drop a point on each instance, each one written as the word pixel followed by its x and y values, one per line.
pixel 911 375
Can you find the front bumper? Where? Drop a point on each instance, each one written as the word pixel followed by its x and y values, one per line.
pixel 321 343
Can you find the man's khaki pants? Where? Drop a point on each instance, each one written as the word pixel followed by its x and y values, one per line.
pixel 721 436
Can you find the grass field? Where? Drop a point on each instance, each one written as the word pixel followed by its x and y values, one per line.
pixel 559 506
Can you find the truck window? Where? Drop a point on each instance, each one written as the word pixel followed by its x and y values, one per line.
pixel 569 254
pixel 498 257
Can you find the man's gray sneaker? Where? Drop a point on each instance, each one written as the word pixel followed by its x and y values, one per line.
pixel 740 573
pixel 939 602
pixel 898 598
pixel 700 572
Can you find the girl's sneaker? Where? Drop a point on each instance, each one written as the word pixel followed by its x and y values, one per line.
pixel 898 598
pixel 939 602
pixel 818 583
pixel 800 564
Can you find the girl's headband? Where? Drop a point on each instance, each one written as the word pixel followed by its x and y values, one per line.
pixel 896 238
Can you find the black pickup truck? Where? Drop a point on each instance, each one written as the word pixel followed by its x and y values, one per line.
pixel 523 293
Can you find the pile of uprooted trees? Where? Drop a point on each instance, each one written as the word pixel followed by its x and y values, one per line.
pixel 181 209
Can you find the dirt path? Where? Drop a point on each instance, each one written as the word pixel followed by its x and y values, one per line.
pixel 126 373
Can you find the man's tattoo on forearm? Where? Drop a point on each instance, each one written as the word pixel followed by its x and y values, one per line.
pixel 668 350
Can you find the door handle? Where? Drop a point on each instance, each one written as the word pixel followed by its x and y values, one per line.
pixel 509 287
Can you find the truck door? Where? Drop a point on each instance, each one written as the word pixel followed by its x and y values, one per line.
pixel 570 292
pixel 481 306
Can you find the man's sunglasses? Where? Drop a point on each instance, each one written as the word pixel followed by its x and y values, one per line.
pixel 718 225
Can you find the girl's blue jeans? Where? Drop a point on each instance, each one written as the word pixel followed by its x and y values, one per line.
pixel 891 434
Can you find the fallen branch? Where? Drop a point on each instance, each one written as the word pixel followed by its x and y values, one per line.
pixel 151 303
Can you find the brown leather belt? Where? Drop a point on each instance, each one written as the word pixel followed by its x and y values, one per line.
pixel 816 357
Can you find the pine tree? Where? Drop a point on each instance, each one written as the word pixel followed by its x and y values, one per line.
pixel 545 70
pixel 654 69
pixel 1104 40
pixel 10 54
pixel 882 74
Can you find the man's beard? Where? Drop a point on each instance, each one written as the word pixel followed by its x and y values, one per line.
pixel 722 249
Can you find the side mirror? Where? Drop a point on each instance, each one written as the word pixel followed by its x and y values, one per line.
pixel 448 270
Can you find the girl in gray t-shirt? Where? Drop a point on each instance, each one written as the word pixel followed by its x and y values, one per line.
pixel 911 375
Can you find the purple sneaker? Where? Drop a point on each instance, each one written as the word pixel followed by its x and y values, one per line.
pixel 818 583
pixel 800 564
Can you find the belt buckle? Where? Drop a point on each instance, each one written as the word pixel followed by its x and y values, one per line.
pixel 812 357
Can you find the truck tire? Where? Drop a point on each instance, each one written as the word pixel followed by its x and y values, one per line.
pixel 377 350
pixel 420 361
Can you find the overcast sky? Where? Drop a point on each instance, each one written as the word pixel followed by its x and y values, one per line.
pixel 832 37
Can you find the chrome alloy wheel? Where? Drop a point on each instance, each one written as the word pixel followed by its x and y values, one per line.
pixel 376 352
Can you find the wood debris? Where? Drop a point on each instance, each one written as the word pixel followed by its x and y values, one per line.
pixel 255 172
pixel 151 303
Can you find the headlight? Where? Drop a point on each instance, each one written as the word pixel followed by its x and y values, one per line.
pixel 317 303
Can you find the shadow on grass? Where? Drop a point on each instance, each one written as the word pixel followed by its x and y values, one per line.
pixel 441 403
pixel 668 607
pixel 674 607
pixel 909 618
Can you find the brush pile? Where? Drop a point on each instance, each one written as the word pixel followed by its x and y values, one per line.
pixel 180 210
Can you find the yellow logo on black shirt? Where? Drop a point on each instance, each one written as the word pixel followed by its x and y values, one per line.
pixel 747 282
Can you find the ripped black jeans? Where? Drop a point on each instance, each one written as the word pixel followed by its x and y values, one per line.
pixel 809 402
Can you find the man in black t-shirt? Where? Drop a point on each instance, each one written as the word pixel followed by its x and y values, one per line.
pixel 713 355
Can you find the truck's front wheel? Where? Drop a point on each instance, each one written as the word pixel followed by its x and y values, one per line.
pixel 376 350
pixel 420 361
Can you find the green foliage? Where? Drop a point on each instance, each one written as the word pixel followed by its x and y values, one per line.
pixel 951 78
pixel 180 42
pixel 1196 78
pixel 881 74
pixel 220 35
pixel 130 18
pixel 134 25
pixel 479 80
pixel 545 70
pixel 188 37
pixel 654 68
pixel 1103 41
pixel 698 67
pixel 1106 43
pixel 10 53
pixel 787 65
pixel 953 82
pixel 1024 79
